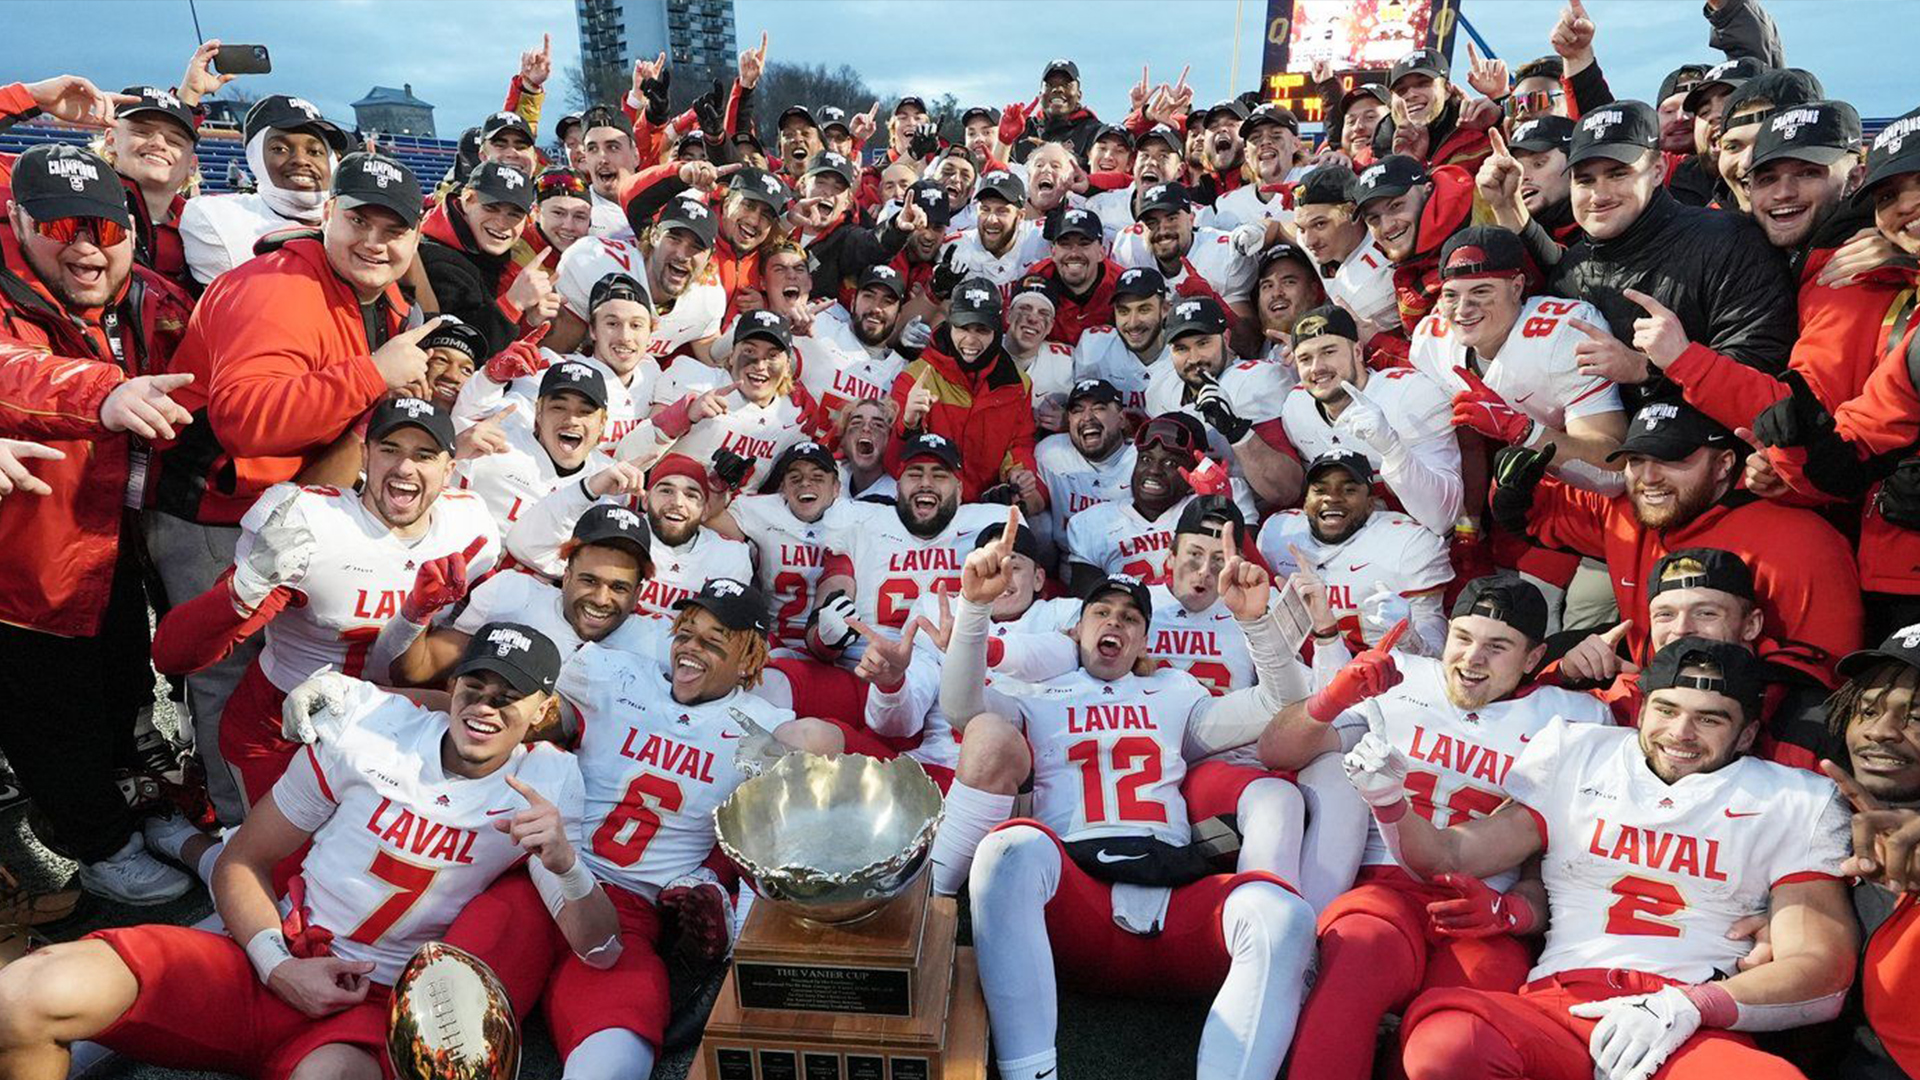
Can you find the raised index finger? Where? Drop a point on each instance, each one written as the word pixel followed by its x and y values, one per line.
pixel 473 549
pixel 1498 140
pixel 1392 636
pixel 527 792
pixel 424 328
pixel 1013 526
pixel 1857 795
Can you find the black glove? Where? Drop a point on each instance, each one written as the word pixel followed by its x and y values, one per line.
pixel 1213 408
pixel 655 91
pixel 706 109
pixel 925 142
pixel 1899 497
pixel 1800 420
pixel 1516 472
pixel 1004 494
pixel 946 275
pixel 731 469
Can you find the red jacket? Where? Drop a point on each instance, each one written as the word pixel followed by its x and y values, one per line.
pixel 1450 207
pixel 988 412
pixel 281 369
pixel 57 551
pixel 1074 316
pixel 1803 571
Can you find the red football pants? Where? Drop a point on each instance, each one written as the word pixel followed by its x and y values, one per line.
pixel 250 740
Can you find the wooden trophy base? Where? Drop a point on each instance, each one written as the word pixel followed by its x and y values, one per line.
pixel 890 998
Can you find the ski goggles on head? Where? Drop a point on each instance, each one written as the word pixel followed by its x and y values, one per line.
pixel 101 231
pixel 1168 434
pixel 1532 103
pixel 560 182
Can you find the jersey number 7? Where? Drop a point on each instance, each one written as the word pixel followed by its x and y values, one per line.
pixel 410 882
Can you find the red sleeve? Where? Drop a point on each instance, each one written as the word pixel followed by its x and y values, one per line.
pixel 272 392
pixel 1568 517
pixel 1885 417
pixel 1724 388
pixel 1109 181
pixel 733 110
pixel 16 104
pixel 1274 434
pixel 203 631
pixel 1809 586
pixel 512 104
pixel 43 396
pixel 835 564
pixel 1137 122
pixel 633 115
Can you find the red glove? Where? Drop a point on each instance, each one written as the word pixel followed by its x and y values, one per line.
pixel 304 939
pixel 1478 911
pixel 1370 674
pixel 523 357
pixel 440 582
pixel 702 918
pixel 1013 122
pixel 1208 478
pixel 1485 411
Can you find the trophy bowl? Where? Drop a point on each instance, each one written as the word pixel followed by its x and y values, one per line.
pixel 831 839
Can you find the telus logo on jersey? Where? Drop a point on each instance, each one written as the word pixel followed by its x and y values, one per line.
pixel 1675 853
pixel 1459 755
pixel 1086 718
pixel 415 834
pixel 670 756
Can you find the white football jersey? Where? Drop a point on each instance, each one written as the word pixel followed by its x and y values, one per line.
pixel 518 595
pixel 1255 389
pixel 891 566
pixel 1536 370
pixel 789 557
pixel 1207 644
pixel 1391 549
pixel 1363 284
pixel 629 401
pixel 972 258
pixel 1116 539
pixel 609 219
pixel 1115 209
pixel 359 575
pixel 1418 410
pixel 400 846
pixel 1650 876
pixel 1051 371
pixel 836 374
pixel 1211 256
pixel 1458 759
pixel 1103 354
pixel 512 480
pixel 1243 205
pixel 654 770
pixel 761 432
pixel 678 572
pixel 692 316
pixel 1075 484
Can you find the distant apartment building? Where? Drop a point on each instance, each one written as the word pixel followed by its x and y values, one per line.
pixel 695 34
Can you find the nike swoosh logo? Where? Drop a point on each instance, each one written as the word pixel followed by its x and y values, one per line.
pixel 1750 813
pixel 497 813
pixel 1526 738
pixel 1625 583
pixel 729 735
pixel 1105 856
pixel 1357 567
pixel 1044 1075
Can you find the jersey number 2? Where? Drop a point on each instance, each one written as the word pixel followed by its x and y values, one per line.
pixel 1643 907
pixel 623 837
pixel 1135 761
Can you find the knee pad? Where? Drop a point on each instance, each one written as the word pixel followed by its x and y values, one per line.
pixel 1263 916
pixel 609 1054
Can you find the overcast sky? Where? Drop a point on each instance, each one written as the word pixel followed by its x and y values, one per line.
pixel 459 55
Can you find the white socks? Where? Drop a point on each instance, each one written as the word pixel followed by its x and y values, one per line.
pixel 970 814
pixel 1015 875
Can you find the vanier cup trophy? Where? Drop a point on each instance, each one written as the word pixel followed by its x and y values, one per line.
pixel 847 967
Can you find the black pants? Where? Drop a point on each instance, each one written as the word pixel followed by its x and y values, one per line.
pixel 67 707
pixel 1887 612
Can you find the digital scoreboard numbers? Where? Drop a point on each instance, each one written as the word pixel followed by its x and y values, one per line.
pixel 1360 38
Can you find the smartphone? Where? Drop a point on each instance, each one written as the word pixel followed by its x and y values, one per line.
pixel 242 60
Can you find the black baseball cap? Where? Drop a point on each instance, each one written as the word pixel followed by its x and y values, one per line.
pixel 1479 251
pixel 830 163
pixel 690 214
pixel 1134 589
pixel 1196 315
pixel 1376 91
pixel 618 286
pixel 516 652
pixel 929 445
pixel 1727 75
pixel 611 524
pixel 805 450
pixel 1680 80
pixel 1508 598
pixel 1740 674
pixel 1060 67
pixel 460 336
pixel 1418 62
pixel 1325 320
pixel 1109 131
pixel 1024 542
pixel 1097 390
pixel 1327 185
pixel 1283 251
pixel 761 186
pixel 991 116
pixel 1269 113
pixel 600 116
pixel 395 413
pixel 1139 282
pixel 505 121
pixel 1351 462
pixel 498 183
pixel 766 325
pixel 882 276
pixel 1388 178
pixel 153 99
pixel 1894 152
pixel 1822 132
pixel 571 120
pixel 1701 568
pixel 1771 90
pixel 976 302
pixel 1544 132
pixel 1901 646
pixel 932 200
pixel 60 180
pixel 1167 196
pixel 1231 106
pixel 792 111
pixel 831 116
pixel 1161 132
pixel 365 179
pixel 1074 221
pixel 1620 131
pixel 283 112
pixel 738 605
pixel 1205 514
pixel 1670 431
pixel 914 100
pixel 579 378
pixel 1546 67
pixel 1003 185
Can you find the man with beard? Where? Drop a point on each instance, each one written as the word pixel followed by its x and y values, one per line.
pixel 610 159
pixel 465 252
pixel 966 387
pixel 323 570
pixel 512 460
pixel 1089 463
pixel 1002 243
pixel 859 360
pixel 782 523
pixel 1272 137
pixel 1729 288
pixel 1422 98
pixel 1398 418
pixel 675 495
pixel 1241 402
pixel 1156 160
pixel 1374 563
pixel 607 558
pixel 1127 353
pixel 1165 238
pixel 1286 287
pixel 1411 211
pixel 1222 152
pixel 675 261
pixel 291 151
pixel 1047 364
pixel 799 140
pixel 1081 275
pixel 1392 936
pixel 1352 269
pixel 1133 535
pixel 1061 118
pixel 1681 470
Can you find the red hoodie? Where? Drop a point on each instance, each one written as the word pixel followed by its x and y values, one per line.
pixel 1452 206
pixel 988 412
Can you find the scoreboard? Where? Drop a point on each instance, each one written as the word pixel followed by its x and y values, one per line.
pixel 1360 38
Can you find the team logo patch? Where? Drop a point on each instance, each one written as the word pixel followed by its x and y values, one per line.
pixel 977 296
pixel 1908 636
pixel 1653 415
pixel 506 641
pixel 414 407
pixel 1599 123
pixel 624 518
pixel 726 587
pixel 382 172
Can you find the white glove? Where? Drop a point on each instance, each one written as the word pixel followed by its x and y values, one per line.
pixel 835 616
pixel 279 556
pixel 1249 239
pixel 317 708
pixel 916 334
pixel 1380 610
pixel 1367 421
pixel 1637 1033
pixel 1376 770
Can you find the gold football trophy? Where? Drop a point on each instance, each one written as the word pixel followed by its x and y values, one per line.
pixel 451 1019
